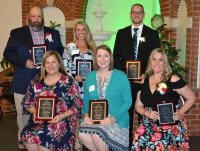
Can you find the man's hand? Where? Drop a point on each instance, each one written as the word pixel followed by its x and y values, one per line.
pixel 141 79
pixel 30 64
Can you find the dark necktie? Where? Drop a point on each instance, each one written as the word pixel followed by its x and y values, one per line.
pixel 135 43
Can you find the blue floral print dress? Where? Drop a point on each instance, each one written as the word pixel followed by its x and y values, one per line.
pixel 151 136
pixel 57 136
pixel 70 55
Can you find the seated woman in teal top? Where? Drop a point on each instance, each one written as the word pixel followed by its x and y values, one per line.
pixel 112 85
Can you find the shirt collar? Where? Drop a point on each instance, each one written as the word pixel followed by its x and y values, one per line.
pixel 140 27
pixel 139 30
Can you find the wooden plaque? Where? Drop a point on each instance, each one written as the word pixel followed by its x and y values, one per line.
pixel 37 52
pixel 46 108
pixel 98 110
pixel 133 69
pixel 166 113
pixel 83 67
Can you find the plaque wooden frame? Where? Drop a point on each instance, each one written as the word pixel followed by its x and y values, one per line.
pixel 83 67
pixel 98 110
pixel 133 69
pixel 50 107
pixel 166 112
pixel 37 52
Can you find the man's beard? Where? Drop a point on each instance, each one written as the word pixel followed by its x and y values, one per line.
pixel 36 26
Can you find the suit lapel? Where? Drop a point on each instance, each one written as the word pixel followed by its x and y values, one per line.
pixel 28 36
pixel 46 31
pixel 140 45
pixel 129 41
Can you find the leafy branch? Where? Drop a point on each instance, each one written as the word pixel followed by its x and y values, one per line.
pixel 167 45
pixel 53 25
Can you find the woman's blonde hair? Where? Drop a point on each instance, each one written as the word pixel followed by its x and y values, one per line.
pixel 58 57
pixel 89 40
pixel 104 47
pixel 167 72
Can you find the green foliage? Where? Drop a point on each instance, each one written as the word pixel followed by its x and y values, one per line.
pixel 5 63
pixel 168 45
pixel 53 25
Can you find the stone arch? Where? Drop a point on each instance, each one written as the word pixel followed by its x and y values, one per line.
pixel 65 7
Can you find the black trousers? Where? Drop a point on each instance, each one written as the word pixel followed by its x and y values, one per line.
pixel 135 87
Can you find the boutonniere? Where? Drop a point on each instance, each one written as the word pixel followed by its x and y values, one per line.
pixel 48 37
pixel 162 88
pixel 142 39
pixel 38 87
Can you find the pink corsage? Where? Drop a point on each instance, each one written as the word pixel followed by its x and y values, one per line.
pixel 162 88
pixel 48 37
pixel 38 87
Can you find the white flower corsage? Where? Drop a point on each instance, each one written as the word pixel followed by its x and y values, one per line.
pixel 142 39
pixel 162 88
pixel 48 37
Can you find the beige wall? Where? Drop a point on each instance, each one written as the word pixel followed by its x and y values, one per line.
pixel 10 14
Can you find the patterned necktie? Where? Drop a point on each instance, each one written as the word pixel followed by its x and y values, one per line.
pixel 135 43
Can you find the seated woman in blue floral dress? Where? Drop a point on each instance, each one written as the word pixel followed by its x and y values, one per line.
pixel 58 133
pixel 161 86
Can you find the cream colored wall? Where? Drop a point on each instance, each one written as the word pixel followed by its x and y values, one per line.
pixel 10 14
pixel 56 15
pixel 181 31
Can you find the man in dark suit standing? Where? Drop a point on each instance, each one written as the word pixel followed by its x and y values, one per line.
pixel 147 40
pixel 18 53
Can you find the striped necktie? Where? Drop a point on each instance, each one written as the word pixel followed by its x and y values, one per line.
pixel 135 43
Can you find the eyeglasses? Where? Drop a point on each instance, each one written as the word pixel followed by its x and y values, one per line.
pixel 137 13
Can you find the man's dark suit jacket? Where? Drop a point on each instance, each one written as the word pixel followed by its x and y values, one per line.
pixel 17 53
pixel 123 49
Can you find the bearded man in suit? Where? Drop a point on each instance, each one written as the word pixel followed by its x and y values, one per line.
pixel 18 53
pixel 147 40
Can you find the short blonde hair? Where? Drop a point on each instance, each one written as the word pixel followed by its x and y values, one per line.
pixel 167 69
pixel 104 47
pixel 58 57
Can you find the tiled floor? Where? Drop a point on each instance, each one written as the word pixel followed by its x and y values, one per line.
pixel 8 135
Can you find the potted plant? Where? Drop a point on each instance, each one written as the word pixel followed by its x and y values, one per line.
pixel 167 45
pixel 5 63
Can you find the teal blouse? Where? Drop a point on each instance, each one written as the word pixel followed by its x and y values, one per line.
pixel 118 94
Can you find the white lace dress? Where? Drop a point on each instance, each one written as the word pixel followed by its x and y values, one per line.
pixel 70 55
